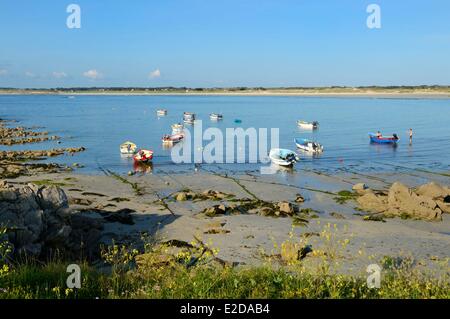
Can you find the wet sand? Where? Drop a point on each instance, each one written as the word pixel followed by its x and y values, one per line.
pixel 247 238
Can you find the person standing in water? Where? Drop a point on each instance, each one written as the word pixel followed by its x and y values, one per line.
pixel 410 135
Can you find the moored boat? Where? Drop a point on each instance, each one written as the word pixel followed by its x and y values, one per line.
pixel 128 148
pixel 172 139
pixel 374 138
pixel 215 116
pixel 308 125
pixel 283 157
pixel 177 128
pixel 188 117
pixel 161 112
pixel 308 145
pixel 143 156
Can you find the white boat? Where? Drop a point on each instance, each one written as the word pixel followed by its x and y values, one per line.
pixel 161 112
pixel 215 117
pixel 283 157
pixel 308 125
pixel 128 148
pixel 172 139
pixel 189 121
pixel 308 145
pixel 177 128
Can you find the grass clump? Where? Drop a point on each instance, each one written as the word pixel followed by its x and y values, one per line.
pixel 345 196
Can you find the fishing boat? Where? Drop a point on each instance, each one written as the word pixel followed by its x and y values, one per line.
pixel 283 157
pixel 308 125
pixel 308 145
pixel 172 139
pixel 161 112
pixel 128 148
pixel 215 117
pixel 143 156
pixel 189 121
pixel 374 138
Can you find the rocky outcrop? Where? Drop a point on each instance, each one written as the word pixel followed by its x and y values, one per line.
pixel 39 222
pixel 428 201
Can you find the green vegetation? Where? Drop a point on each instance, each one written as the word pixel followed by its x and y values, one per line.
pixel 344 196
pixel 49 182
pixel 192 270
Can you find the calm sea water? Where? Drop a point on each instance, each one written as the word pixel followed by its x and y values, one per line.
pixel 102 123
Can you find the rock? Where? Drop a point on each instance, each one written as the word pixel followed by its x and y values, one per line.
pixel 7 195
pixel 215 210
pixel 402 201
pixel 372 203
pixel 299 198
pixel 286 208
pixel 433 191
pixel 39 222
pixel 3 184
pixel 181 196
pixel 360 188
pixel 52 198
pixel 445 207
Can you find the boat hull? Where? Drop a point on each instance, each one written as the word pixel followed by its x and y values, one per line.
pixel 383 140
pixel 275 157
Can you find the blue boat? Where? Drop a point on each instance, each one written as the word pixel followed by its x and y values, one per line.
pixel 383 139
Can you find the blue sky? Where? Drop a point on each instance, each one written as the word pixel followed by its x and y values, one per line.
pixel 210 43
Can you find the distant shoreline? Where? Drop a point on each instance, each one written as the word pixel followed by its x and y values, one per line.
pixel 365 94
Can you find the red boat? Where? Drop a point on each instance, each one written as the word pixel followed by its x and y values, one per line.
pixel 143 156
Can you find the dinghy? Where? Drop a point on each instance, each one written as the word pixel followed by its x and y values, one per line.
pixel 283 157
pixel 374 138
pixel 308 125
pixel 128 148
pixel 215 117
pixel 172 139
pixel 189 121
pixel 308 145
pixel 161 112
pixel 143 156
pixel 177 128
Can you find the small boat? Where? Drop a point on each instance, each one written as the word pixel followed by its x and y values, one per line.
pixel 237 121
pixel 283 157
pixel 215 117
pixel 143 156
pixel 177 127
pixel 161 112
pixel 188 115
pixel 308 125
pixel 374 138
pixel 308 145
pixel 189 121
pixel 128 148
pixel 172 139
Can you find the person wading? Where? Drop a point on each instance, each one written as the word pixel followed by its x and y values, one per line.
pixel 410 135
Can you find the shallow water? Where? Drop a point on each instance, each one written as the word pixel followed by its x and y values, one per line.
pixel 102 123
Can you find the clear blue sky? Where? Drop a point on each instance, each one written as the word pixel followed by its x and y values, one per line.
pixel 224 43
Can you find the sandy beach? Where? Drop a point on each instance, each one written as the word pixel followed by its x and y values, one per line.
pixel 250 238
